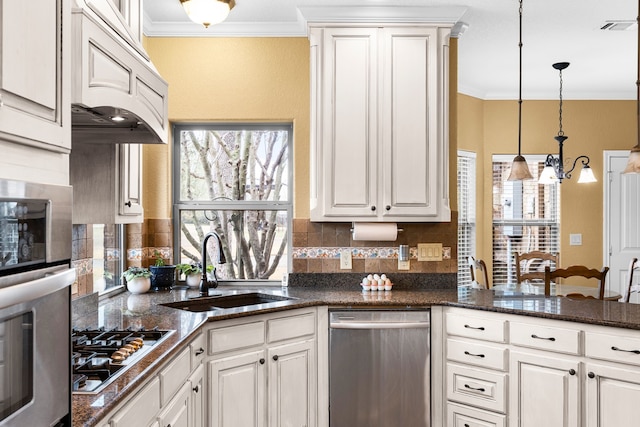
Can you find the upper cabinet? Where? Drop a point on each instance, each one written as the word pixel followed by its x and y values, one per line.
pixel 379 123
pixel 34 73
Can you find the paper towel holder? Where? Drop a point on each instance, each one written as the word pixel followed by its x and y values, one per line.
pixel 351 229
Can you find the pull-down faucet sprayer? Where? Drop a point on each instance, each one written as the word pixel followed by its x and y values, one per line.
pixel 205 284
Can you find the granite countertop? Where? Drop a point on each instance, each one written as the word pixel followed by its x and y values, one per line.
pixel 136 311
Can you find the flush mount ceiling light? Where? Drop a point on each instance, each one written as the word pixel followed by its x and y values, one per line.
pixel 207 12
pixel 554 166
pixel 633 166
pixel 519 168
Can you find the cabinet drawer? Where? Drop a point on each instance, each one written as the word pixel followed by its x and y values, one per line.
pixel 476 327
pixel 464 416
pixel 613 347
pixel 173 376
pixel 236 337
pixel 474 353
pixel 291 327
pixel 141 409
pixel 477 387
pixel 561 340
pixel 198 351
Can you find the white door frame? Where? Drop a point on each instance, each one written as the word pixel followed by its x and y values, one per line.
pixel 606 208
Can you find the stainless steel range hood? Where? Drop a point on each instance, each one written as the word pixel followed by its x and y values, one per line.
pixel 117 94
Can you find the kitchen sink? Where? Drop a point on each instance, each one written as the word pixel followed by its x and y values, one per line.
pixel 227 301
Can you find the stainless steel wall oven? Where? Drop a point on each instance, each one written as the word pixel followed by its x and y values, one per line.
pixel 35 297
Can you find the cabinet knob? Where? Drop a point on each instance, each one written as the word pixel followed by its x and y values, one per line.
pixel 199 351
pixel 128 204
pixel 373 208
pixel 262 361
pixel 196 389
pixel 388 207
pixel 591 375
pixel 572 371
pixel 275 357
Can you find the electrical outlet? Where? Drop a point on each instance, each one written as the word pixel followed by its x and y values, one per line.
pixel 429 251
pixel 404 265
pixel 345 260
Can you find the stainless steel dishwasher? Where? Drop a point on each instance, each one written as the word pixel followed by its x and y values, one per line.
pixel 379 368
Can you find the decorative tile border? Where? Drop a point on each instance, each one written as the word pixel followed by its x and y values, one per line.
pixel 83 266
pixel 138 254
pixel 358 253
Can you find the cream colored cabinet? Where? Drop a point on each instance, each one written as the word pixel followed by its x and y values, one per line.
pixel 379 139
pixel 35 101
pixel 263 371
pixel 107 183
pixel 197 396
pixel 177 413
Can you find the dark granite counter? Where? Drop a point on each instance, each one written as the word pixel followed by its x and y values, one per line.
pixel 136 311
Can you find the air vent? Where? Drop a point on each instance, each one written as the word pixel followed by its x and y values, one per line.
pixel 618 25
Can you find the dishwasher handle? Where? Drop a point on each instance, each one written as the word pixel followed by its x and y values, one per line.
pixel 379 325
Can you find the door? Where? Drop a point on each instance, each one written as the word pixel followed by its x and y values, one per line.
pixel 197 397
pixel 237 387
pixel 292 385
pixel 622 229
pixel 130 202
pixel 544 391
pixel 177 413
pixel 612 396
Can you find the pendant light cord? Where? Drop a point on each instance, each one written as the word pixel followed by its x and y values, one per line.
pixel 560 131
pixel 520 87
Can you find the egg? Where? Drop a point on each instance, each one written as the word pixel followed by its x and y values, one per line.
pixel 370 277
pixel 383 276
pixel 365 281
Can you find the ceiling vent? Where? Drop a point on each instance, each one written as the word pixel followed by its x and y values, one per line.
pixel 618 25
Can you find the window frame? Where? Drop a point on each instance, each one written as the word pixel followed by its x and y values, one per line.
pixel 464 275
pixel 179 205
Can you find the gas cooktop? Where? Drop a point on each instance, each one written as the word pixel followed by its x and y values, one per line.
pixel 100 356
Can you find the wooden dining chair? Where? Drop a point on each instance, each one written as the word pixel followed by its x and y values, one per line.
pixel 630 288
pixel 576 271
pixel 530 265
pixel 478 269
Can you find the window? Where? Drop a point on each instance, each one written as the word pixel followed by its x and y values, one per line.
pixel 234 179
pixel 526 216
pixel 466 214
pixel 108 256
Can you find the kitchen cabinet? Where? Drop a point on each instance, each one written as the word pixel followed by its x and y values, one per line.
pixel 379 138
pixel 107 183
pixel 263 371
pixel 177 412
pixel 35 74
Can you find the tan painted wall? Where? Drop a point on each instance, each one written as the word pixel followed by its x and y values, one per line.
pixel 490 127
pixel 231 79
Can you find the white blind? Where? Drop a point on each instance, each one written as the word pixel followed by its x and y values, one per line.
pixel 526 216
pixel 466 213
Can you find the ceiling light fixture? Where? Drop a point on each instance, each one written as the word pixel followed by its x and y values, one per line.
pixel 554 166
pixel 207 12
pixel 519 169
pixel 633 166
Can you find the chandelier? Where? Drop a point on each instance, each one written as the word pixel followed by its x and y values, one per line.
pixel 207 12
pixel 554 166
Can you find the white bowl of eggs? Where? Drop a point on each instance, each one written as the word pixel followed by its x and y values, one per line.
pixel 375 282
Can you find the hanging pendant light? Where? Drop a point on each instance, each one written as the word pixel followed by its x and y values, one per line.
pixel 519 168
pixel 633 166
pixel 554 166
pixel 207 12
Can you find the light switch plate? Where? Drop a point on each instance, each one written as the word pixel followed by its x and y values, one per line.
pixel 345 260
pixel 429 251
pixel 575 239
pixel 404 265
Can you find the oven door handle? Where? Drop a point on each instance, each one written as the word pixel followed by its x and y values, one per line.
pixel 379 325
pixel 34 289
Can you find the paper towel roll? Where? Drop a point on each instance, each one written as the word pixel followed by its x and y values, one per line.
pixel 379 231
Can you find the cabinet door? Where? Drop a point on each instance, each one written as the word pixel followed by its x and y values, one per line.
pixel 130 179
pixel 611 395
pixel 237 387
pixel 292 385
pixel 347 152
pixel 544 391
pixel 34 97
pixel 177 413
pixel 197 397
pixel 410 108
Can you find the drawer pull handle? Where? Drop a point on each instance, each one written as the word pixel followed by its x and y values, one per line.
pixel 275 357
pixel 542 338
pixel 262 361
pixel 467 386
pixel 196 389
pixel 572 371
pixel 614 348
pixel 474 355
pixel 481 328
pixel 591 375
pixel 199 351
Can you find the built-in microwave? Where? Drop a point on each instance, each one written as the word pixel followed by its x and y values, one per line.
pixel 35 299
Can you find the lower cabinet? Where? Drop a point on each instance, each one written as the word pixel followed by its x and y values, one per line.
pixel 177 413
pixel 611 396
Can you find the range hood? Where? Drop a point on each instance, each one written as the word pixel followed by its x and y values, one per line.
pixel 117 94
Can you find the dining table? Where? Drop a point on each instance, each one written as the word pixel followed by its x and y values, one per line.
pixel 526 288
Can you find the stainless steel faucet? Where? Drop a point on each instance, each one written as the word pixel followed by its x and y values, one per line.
pixel 205 284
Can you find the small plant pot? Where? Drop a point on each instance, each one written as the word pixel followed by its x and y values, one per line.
pixel 193 280
pixel 163 277
pixel 139 285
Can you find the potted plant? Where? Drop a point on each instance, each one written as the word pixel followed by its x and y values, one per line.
pixel 192 273
pixel 138 279
pixel 162 275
